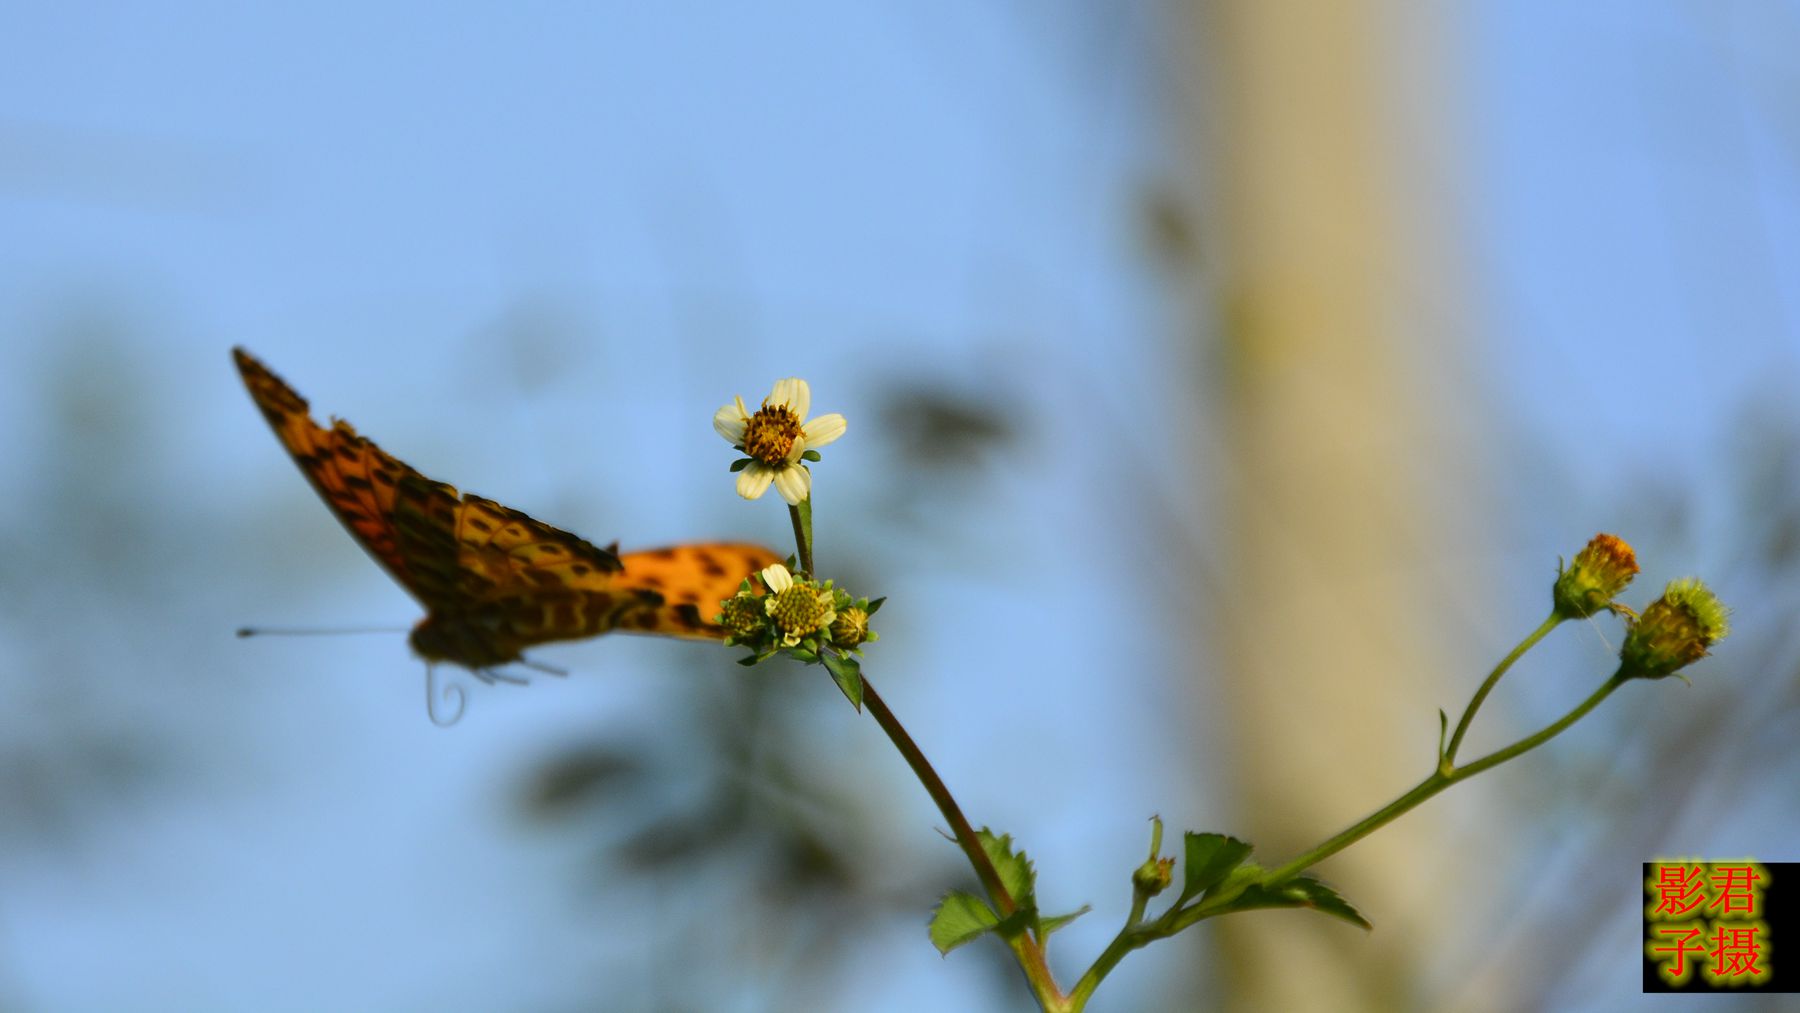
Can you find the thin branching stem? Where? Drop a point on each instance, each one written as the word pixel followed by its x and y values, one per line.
pixel 1487 685
pixel 1135 934
pixel 1437 782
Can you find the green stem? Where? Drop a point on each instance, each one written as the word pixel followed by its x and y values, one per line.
pixel 1525 745
pixel 803 541
pixel 1438 781
pixel 1129 938
pixel 1136 934
pixel 1487 686
pixel 1030 955
pixel 1025 946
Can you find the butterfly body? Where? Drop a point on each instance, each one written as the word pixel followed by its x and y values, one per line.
pixel 494 581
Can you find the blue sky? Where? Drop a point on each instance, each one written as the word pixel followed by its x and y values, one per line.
pixel 530 252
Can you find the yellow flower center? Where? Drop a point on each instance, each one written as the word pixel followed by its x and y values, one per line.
pixel 770 435
pixel 799 610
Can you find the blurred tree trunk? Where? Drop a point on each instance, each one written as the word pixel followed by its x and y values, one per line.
pixel 1344 487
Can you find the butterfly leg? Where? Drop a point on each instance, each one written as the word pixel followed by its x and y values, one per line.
pixel 495 675
pixel 546 669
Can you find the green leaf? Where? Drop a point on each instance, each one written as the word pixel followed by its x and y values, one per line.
pixel 874 605
pixel 1016 873
pixel 1303 891
pixel 960 918
pixel 1054 922
pixel 750 661
pixel 847 674
pixel 811 455
pixel 740 464
pixel 1013 924
pixel 1210 858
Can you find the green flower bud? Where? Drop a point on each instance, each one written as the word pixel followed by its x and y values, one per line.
pixel 1596 576
pixel 1674 631
pixel 1154 876
pixel 742 616
pixel 850 628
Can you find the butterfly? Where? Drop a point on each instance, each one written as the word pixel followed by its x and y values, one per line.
pixel 494 581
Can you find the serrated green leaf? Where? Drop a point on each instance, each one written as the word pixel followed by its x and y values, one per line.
pixel 1303 891
pixel 848 675
pixel 740 464
pixel 1054 922
pixel 1016 873
pixel 1209 858
pixel 960 918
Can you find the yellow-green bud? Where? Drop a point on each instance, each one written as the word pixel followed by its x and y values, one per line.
pixel 1154 876
pixel 1674 631
pixel 742 615
pixel 850 628
pixel 1595 577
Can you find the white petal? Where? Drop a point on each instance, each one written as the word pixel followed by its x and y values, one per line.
pixel 754 480
pixel 777 578
pixel 794 484
pixel 823 430
pixel 730 421
pixel 794 393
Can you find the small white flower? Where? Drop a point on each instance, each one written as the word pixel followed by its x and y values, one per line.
pixel 775 437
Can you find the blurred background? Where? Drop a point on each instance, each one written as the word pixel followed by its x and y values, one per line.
pixel 1224 380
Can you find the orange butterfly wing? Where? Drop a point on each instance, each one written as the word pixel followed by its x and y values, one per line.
pixel 691 580
pixel 493 580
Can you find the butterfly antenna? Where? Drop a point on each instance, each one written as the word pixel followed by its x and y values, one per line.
pixel 453 691
pixel 312 631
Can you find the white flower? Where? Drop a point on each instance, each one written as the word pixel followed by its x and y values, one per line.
pixel 775 437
